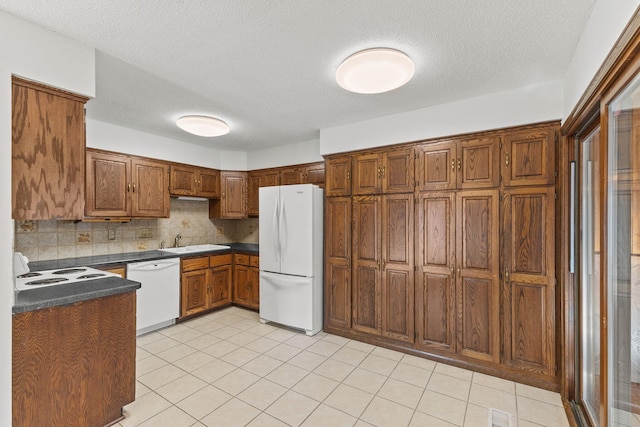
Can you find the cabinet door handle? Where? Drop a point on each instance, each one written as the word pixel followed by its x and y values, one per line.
pixel 458 271
pixel 506 275
pixel 384 171
pixel 348 175
pixel 459 163
pixel 134 188
pixel 128 188
pixel 506 159
pixel 453 164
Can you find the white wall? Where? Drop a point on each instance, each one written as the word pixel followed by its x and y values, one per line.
pixel 607 21
pixel 528 104
pixel 35 53
pixel 284 155
pixel 130 141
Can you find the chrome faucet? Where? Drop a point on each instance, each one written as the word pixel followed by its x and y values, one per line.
pixel 177 240
pixel 162 245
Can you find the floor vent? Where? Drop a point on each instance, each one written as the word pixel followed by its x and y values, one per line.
pixel 499 418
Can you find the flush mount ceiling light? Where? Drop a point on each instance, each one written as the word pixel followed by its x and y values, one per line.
pixel 203 125
pixel 375 71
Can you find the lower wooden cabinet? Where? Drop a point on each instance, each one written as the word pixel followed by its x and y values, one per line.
pixel 205 283
pixel 337 255
pixel 74 365
pixel 246 281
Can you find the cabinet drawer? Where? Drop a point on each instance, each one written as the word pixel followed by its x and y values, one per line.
pixel 254 261
pixel 242 259
pixel 216 260
pixel 191 264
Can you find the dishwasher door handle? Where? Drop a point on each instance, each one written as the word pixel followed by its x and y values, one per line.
pixel 151 266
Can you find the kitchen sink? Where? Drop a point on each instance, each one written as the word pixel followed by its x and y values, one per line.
pixel 195 248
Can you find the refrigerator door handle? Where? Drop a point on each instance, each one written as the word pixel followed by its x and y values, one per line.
pixel 282 231
pixel 276 231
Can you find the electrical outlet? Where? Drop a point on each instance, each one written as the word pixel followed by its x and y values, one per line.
pixel 112 234
pixel 144 233
pixel 219 231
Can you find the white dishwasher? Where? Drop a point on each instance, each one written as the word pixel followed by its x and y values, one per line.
pixel 158 300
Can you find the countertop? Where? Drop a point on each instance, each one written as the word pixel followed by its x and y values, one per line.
pixel 51 296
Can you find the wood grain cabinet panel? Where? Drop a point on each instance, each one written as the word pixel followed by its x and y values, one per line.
pixel 47 152
pixel 195 288
pixel 338 176
pixel 221 286
pixel 435 294
pixel 208 183
pixel 529 157
pixel 437 165
pixel 314 174
pixel 529 279
pixel 193 181
pixel 382 173
pixel 290 175
pixel 367 174
pixel 256 180
pixel 246 281
pixel 206 283
pixel 74 365
pixel 149 192
pixel 477 281
pixel 337 250
pixel 232 203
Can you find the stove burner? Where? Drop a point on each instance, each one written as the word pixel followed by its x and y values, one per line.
pixel 46 281
pixel 91 276
pixel 69 271
pixel 27 275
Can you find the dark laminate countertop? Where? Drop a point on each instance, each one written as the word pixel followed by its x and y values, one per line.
pixel 52 296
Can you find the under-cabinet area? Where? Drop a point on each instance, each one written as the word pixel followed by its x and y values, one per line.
pixel 442 249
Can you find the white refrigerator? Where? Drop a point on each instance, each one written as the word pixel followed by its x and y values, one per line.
pixel 291 285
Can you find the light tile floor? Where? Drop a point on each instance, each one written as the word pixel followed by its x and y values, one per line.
pixel 228 369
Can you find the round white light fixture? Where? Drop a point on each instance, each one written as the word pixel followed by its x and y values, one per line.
pixel 375 71
pixel 203 125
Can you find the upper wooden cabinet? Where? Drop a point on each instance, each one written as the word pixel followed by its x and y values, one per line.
pixel 48 143
pixel 194 181
pixel 255 180
pixel 118 185
pixel 313 174
pixel 338 176
pixel 529 157
pixel 387 172
pixel 472 163
pixel 232 203
pixel 290 175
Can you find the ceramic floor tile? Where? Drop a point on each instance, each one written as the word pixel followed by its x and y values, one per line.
pixel 325 416
pixel 262 393
pixel 418 362
pixel 172 416
pixel 149 364
pixel 325 348
pixel 316 386
pixel 400 392
pixel 335 370
pixel 301 341
pixel 174 329
pixel 145 339
pixel 220 348
pixel 349 355
pixel 141 389
pixel 451 386
pixel 287 375
pixel 420 419
pixel 234 413
pixel 157 346
pixel 180 388
pixel 389 354
pixel 202 341
pixel 213 370
pixel 203 402
pixel 176 353
pixel 443 407
pixel 236 381
pixel 194 361
pixel 242 338
pixel 143 408
pixel 542 413
pixel 210 327
pixel 266 420
pixel 245 324
pixel 493 382
pixel 378 364
pixel 159 377
pixel 365 380
pixel 349 400
pixel 262 345
pixel 187 335
pixel 240 356
pixel 229 318
pixel 411 374
pixel 453 371
pixel 382 412
pixel 262 329
pixel 141 354
pixel 307 360
pixel 262 365
pixel 281 335
pixel 492 398
pixel 341 341
pixel 538 394
pixel 283 352
pixel 360 346
pixel 226 332
pixel 292 408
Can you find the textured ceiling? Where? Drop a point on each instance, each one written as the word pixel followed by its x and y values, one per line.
pixel 267 67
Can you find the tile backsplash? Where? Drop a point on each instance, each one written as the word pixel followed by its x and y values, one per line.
pixel 46 240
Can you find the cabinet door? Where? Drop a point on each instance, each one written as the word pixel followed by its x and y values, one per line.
pixel 397 171
pixel 253 189
pixel 338 179
pixel 435 259
pixel 221 281
pixel 478 164
pixel 107 184
pixel 437 165
pixel 209 183
pixel 529 279
pixel 529 157
pixel 367 174
pixel 195 287
pixel 337 250
pixel 367 260
pixel 397 286
pixel 290 176
pixel 48 145
pixel 477 282
pixel 242 285
pixel 314 174
pixel 183 181
pixel 233 198
pixel 255 287
pixel 149 189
